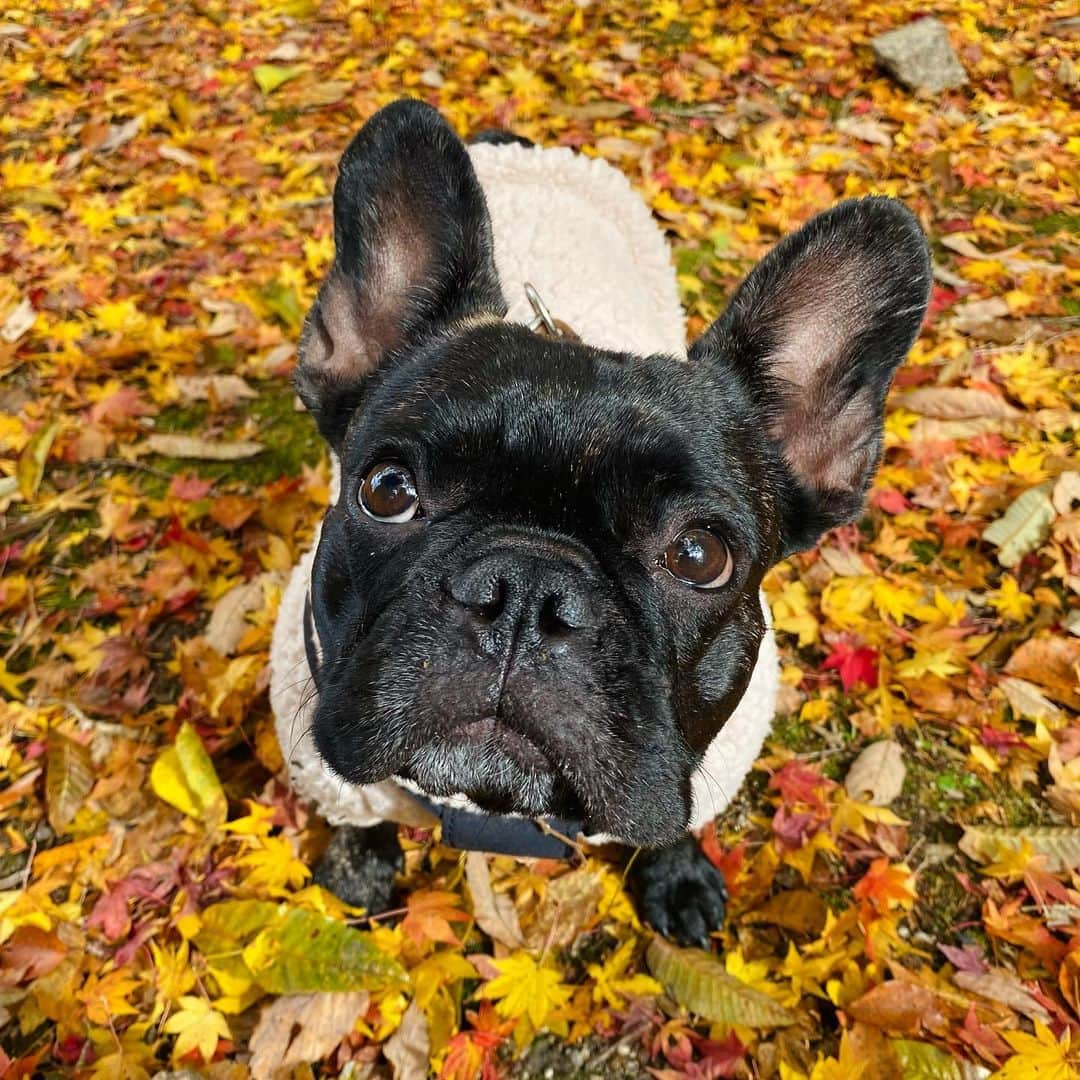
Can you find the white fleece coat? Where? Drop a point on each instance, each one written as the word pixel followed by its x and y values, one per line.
pixel 575 228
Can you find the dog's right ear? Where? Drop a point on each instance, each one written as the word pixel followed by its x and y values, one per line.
pixel 413 254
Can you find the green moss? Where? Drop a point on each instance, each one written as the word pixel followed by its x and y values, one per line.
pixel 1052 223
pixel 794 733
pixel 290 437
pixel 943 903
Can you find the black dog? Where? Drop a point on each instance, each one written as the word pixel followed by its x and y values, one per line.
pixel 539 585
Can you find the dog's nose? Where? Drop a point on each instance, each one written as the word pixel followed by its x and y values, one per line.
pixel 526 598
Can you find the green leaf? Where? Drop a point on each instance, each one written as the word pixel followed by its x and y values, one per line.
pixel 281 301
pixel 697 980
pixel 923 1061
pixel 228 926
pixel 1025 525
pixel 305 952
pixel 271 76
pixel 184 777
pixel 31 466
pixel 68 779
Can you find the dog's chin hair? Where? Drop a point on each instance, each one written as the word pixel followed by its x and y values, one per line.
pixel 489 777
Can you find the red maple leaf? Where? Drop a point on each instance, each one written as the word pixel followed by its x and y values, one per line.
pixel 890 500
pixel 855 664
pixel 729 863
pixel 189 487
pixel 798 782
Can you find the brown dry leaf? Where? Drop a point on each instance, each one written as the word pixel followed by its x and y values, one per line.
pixel 228 623
pixel 409 1048
pixel 1027 699
pixel 901 1007
pixel 299 1028
pixel 957 403
pixel 192 446
pixel 1003 986
pixel 69 776
pixel 569 904
pixel 18 322
pixel 865 128
pixel 877 775
pixel 972 315
pixel 226 390
pixel 28 954
pixel 846 563
pixel 871 1048
pixel 495 913
pixel 1051 661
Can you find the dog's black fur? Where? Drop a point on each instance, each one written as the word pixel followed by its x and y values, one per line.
pixel 518 641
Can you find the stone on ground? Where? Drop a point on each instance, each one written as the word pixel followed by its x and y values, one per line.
pixel 920 56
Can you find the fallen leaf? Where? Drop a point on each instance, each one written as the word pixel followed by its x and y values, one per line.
pixel 495 914
pixel 409 1048
pixel 183 776
pixel 30 469
pixel 69 777
pixel 865 128
pixel 1024 526
pixel 20 321
pixel 301 1028
pixel 226 390
pixel 228 623
pixel 697 980
pixel 957 403
pixel 877 775
pixel 1059 845
pixel 1004 987
pixel 799 910
pixel 192 446
pixel 303 951
pixel 1052 661
pixel 901 1007
pixel 271 76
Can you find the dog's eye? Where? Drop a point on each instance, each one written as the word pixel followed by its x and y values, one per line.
pixel 388 493
pixel 698 557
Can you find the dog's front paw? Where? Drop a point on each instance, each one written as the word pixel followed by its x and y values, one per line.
pixel 359 866
pixel 679 893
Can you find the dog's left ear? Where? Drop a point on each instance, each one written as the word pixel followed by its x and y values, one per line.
pixel 814 334
pixel 413 254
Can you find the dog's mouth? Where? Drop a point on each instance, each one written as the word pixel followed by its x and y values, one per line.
pixel 492 733
pixel 499 768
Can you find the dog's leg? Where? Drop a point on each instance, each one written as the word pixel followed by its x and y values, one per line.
pixel 679 893
pixel 359 866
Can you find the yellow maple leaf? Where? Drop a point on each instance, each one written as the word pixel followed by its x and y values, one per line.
pixel 1038 1055
pixel 273 866
pixel 845 600
pixel 525 988
pixel 1010 601
pixel 928 662
pixel 612 984
pixel 174 975
pixel 791 613
pixel 198 1026
pixel 105 998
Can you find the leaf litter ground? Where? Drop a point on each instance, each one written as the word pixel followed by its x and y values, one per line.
pixel 902 861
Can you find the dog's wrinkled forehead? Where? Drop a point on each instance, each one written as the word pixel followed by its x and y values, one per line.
pixel 559 433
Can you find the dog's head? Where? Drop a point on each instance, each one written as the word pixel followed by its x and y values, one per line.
pixel 539 585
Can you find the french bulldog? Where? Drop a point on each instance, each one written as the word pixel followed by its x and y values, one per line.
pixel 538 589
